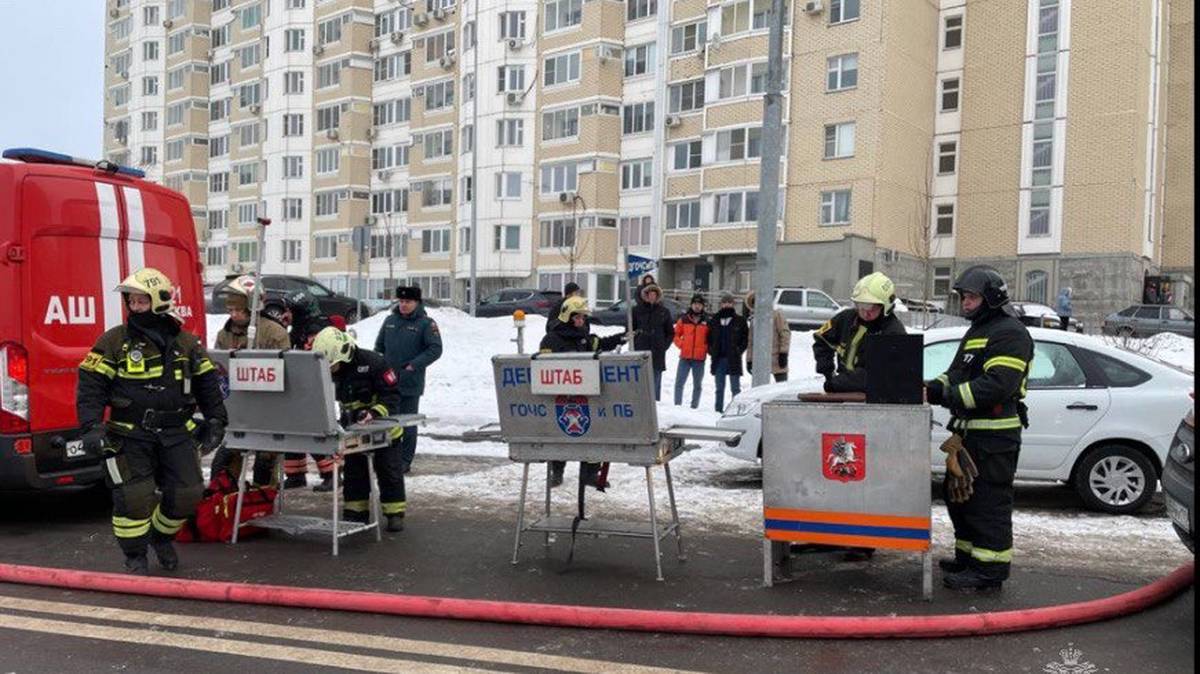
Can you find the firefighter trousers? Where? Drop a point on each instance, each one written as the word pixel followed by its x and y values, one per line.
pixel 389 471
pixel 983 534
pixel 134 467
pixel 297 464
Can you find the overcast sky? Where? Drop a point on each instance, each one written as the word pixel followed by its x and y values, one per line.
pixel 52 74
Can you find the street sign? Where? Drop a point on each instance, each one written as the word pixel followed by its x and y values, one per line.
pixel 565 377
pixel 359 238
pixel 636 265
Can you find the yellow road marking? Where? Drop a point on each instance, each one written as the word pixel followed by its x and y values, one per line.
pixel 323 636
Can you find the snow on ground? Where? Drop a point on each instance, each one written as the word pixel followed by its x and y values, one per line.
pixel 715 492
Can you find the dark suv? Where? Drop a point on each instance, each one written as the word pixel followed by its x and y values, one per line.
pixel 529 300
pixel 275 285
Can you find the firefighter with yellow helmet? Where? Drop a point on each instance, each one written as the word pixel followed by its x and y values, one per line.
pixel 368 388
pixel 152 375
pixel 838 345
pixel 270 333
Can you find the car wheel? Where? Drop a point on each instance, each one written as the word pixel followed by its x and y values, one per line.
pixel 1115 479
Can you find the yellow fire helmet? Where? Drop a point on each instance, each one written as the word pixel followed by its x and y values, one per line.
pixel 573 305
pixel 335 345
pixel 152 282
pixel 875 288
pixel 243 285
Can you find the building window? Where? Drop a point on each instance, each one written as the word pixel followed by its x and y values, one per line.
pixel 842 72
pixel 639 60
pixel 841 11
pixel 686 155
pixel 250 56
pixel 325 247
pixel 561 69
pixel 637 175
pixel 437 193
pixel 839 140
pixel 149 155
pixel 215 255
pixel 510 78
pixel 438 46
pixel 561 14
pixel 439 95
pixel 247 173
pixel 559 178
pixel 560 124
pixel 735 208
pixel 683 214
pixel 508 185
pixel 177 42
pixel 638 118
pixel 944 225
pixel 174 150
pixel 512 25
pixel 293 83
pixel 466 191
pixel 557 233
pixel 634 231
pixel 329 75
pixel 950 88
pixel 835 207
pixel 739 144
pixel 293 124
pixel 247 215
pixel 150 15
pixel 329 117
pixel 149 121
pixel 688 38
pixel 331 29
pixel 289 250
pixel 435 241
pixel 510 132
pixel 251 16
pixel 218 146
pixel 149 86
pixel 150 50
pixel 506 237
pixel 219 73
pixel 941 281
pixel 687 96
pixel 439 144
pixel 640 9
pixel 218 182
pixel 1039 213
pixel 327 160
pixel 293 166
pixel 468 139
pixel 953 33
pixel 740 80
pixel 947 157
pixel 1035 286
pixel 328 203
pixel 218 219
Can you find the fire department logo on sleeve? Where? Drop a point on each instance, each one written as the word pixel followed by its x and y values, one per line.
pixel 573 415
pixel 389 377
pixel 844 457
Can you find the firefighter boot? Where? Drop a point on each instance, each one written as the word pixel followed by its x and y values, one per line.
pixel 956 564
pixel 138 565
pixel 395 523
pixel 326 483
pixel 164 549
pixel 356 516
pixel 972 578
pixel 295 481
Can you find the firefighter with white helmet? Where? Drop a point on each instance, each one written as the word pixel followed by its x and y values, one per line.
pixel 368 389
pixel 152 376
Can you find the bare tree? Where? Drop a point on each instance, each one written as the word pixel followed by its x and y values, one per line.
pixel 571 248
pixel 920 239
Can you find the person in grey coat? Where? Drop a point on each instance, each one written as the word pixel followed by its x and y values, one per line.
pixel 410 342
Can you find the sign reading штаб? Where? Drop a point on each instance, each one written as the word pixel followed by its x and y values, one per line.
pixel 565 377
pixel 256 374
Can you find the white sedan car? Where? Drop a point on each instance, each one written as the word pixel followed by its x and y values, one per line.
pixel 1100 418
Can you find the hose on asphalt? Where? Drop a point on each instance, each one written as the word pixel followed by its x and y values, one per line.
pixel 642 620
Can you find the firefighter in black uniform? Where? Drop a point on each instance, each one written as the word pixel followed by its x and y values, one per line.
pixel 368 389
pixel 841 338
pixel 153 376
pixel 983 389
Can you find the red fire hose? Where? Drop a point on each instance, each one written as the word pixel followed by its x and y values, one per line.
pixel 678 622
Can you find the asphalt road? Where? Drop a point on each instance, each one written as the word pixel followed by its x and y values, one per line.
pixel 457 551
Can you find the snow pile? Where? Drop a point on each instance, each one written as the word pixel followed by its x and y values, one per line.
pixel 1173 349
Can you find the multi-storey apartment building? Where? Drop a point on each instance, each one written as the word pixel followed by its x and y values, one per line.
pixel 1051 138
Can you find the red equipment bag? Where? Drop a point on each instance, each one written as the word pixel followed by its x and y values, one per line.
pixel 213 521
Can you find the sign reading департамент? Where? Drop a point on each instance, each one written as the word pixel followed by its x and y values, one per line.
pixel 563 377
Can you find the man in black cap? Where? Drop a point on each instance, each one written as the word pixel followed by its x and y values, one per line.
pixel 570 290
pixel 410 341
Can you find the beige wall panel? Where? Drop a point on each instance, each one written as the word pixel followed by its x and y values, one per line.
pixel 804 209
pixel 993 81
pixel 728 177
pixel 737 49
pixel 728 239
pixel 681 186
pixel 987 221
pixel 1100 218
pixel 728 114
pixel 681 245
pixel 686 10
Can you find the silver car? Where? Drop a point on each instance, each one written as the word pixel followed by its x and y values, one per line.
pixel 1143 320
pixel 805 308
